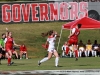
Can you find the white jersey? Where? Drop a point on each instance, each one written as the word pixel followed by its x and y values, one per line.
pixel 51 41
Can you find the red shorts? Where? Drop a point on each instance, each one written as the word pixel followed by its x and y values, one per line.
pixel 8 48
pixel 72 41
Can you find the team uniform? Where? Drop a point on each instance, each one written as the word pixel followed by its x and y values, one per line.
pixel 74 38
pixel 51 49
pixel 51 40
pixel 9 43
pixel 9 46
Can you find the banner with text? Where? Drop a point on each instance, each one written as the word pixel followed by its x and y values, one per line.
pixel 16 12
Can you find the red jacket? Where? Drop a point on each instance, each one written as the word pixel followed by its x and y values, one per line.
pixel 23 48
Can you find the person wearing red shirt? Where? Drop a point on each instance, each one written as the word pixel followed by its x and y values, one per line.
pixel 9 43
pixel 73 40
pixel 23 50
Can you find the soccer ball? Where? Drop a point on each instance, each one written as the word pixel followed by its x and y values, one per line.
pixel 69 7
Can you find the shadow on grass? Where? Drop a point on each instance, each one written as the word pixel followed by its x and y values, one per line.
pixel 16 64
pixel 85 65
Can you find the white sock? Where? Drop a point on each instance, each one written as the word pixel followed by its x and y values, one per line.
pixel 56 61
pixel 44 59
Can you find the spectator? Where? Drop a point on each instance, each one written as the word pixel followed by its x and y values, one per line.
pixel 23 50
pixel 95 48
pixel 64 49
pixel 89 48
pixel 81 48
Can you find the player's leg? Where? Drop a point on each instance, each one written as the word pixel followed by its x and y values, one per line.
pixel 76 52
pixel 9 53
pixel 46 58
pixel 57 58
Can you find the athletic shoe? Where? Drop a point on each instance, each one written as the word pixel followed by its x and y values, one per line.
pixel 76 59
pixel 39 63
pixel 26 58
pixel 57 66
pixel 10 63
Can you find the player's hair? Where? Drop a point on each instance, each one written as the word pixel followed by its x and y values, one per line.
pixel 79 25
pixel 47 33
pixel 3 34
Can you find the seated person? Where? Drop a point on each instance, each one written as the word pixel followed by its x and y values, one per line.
pixel 88 48
pixel 95 48
pixel 81 48
pixel 64 49
pixel 23 50
pixel 14 52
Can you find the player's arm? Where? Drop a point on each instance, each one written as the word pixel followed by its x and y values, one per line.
pixel 15 43
pixel 56 34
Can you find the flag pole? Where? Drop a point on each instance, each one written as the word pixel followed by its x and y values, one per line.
pixel 59 38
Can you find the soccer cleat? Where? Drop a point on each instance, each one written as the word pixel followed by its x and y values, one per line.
pixel 39 63
pixel 76 59
pixel 12 63
pixel 57 66
pixel 26 58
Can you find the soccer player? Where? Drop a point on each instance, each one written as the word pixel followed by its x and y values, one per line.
pixel 2 45
pixel 51 48
pixel 9 43
pixel 73 40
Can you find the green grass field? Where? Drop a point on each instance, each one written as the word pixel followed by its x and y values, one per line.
pixel 65 63
pixel 30 35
